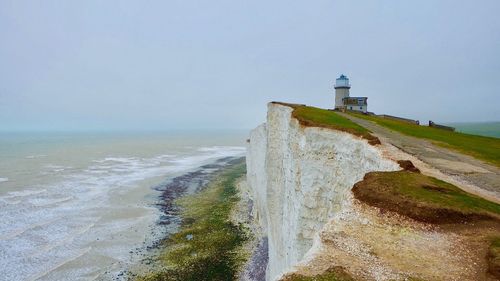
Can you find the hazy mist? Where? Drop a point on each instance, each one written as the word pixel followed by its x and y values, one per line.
pixel 160 65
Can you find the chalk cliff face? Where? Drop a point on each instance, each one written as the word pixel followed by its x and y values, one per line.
pixel 301 179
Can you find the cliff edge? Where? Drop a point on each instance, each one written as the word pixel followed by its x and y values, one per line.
pixel 301 177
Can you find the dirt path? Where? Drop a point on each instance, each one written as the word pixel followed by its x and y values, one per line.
pixel 461 167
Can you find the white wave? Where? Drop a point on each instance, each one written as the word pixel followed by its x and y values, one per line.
pixel 35 156
pixel 41 202
pixel 222 149
pixel 10 201
pixel 211 153
pixel 164 156
pixel 116 159
pixel 17 232
pixel 68 239
pixel 23 193
pixel 54 267
pixel 4 179
pixel 55 168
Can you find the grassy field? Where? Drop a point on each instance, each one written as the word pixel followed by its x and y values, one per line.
pixel 206 247
pixel 317 117
pixel 481 147
pixel 423 198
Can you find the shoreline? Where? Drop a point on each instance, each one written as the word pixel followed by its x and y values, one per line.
pixel 173 210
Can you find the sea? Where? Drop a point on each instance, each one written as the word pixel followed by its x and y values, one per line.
pixel 83 206
pixel 488 129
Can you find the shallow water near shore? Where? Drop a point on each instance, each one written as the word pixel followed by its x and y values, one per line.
pixel 84 206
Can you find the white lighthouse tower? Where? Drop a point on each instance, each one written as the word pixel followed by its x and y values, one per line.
pixel 345 102
pixel 342 87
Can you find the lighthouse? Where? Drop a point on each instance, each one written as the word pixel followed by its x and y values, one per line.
pixel 342 87
pixel 345 102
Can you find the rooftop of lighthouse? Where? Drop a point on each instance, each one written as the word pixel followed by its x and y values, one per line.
pixel 342 82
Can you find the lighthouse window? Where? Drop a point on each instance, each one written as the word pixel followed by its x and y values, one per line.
pixel 360 107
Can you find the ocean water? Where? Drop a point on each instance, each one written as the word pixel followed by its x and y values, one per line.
pixel 488 129
pixel 78 206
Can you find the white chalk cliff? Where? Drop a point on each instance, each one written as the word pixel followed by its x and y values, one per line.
pixel 301 179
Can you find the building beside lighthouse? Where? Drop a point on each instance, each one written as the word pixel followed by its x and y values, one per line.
pixel 343 101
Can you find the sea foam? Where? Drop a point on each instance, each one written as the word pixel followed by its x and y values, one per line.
pixel 46 226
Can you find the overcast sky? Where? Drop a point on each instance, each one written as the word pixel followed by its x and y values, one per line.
pixel 215 64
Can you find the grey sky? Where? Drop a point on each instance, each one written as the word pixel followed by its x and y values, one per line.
pixel 215 64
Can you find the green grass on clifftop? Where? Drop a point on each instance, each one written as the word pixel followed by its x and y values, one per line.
pixel 206 246
pixel 481 147
pixel 423 198
pixel 316 117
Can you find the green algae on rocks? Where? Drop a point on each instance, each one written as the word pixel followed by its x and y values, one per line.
pixel 207 245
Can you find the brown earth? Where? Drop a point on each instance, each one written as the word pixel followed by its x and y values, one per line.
pixel 376 190
pixel 407 165
pixel 334 273
pixel 494 257
pixel 466 216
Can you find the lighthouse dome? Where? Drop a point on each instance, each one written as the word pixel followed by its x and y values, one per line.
pixel 342 82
